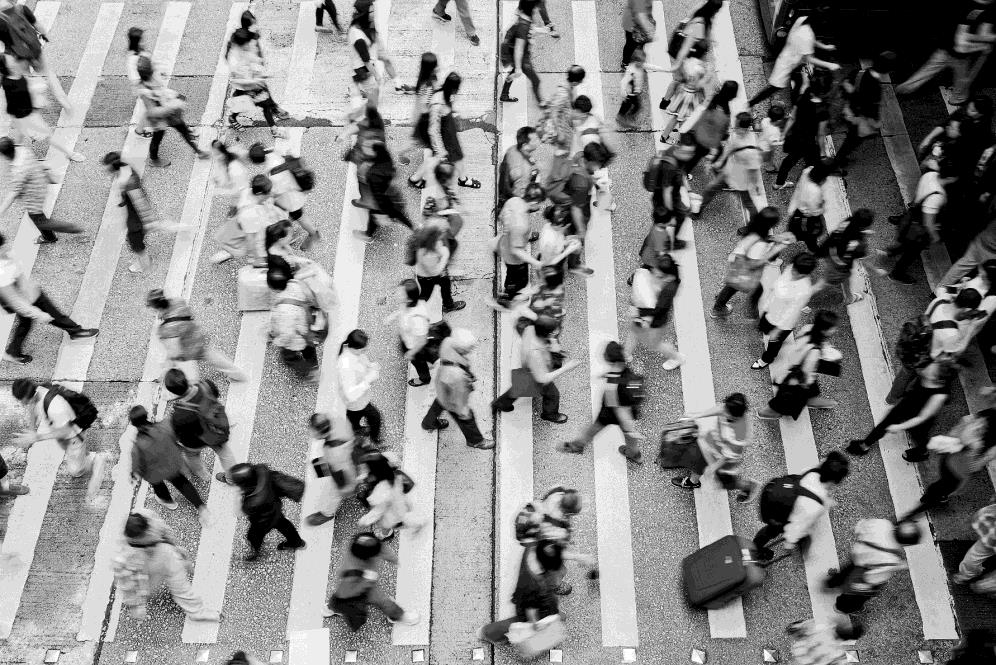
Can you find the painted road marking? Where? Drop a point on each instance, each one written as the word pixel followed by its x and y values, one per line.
pixel 179 280
pixel 712 503
pixel 615 548
pixel 797 435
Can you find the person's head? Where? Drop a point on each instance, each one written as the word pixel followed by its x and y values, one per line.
pixel 138 416
pixel 727 93
pixel 575 75
pixel 763 221
pixel 136 526
pixel 527 140
pixel 278 273
pixel 243 475
pixel 427 70
pixel 820 171
pixel 570 502
pixel 444 172
pixel 941 370
pixel 144 68
pixel 24 390
pixel 365 546
pixel 527 7
pixel 907 532
pixel 824 326
pixel 7 148
pixel 804 264
pixel 219 149
pixel 834 468
pixel 684 149
pixel 175 381
pixel 968 300
pixel 664 265
pixel 614 354
pixel 379 468
pixel 979 106
pixel 379 152
pixel 884 62
pixel 276 233
pixel 135 39
pixel 952 128
pixel 261 185
pixel 451 86
pixel 320 425
pixel 113 162
pixel 463 341
pixel 545 326
pixel 356 340
pixel 247 20
pixel 581 107
pixel 534 196
pixel 595 156
pixel 776 114
pixel 735 405
pixel 257 153
pixel 409 291
pixel 241 37
pixel 550 555
pixel 743 122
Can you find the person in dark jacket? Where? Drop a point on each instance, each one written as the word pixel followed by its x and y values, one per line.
pixel 378 173
pixel 155 458
pixel 186 422
pixel 863 94
pixel 356 584
pixel 847 244
pixel 263 490
pixel 540 573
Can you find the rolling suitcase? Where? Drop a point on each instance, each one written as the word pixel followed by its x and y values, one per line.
pixel 720 572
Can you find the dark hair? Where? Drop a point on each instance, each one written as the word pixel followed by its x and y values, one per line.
pixel 144 68
pixel 247 19
pixel 222 148
pixel 138 416
pixel 545 325
pixel 136 525
pixel 907 532
pixel 553 277
pixel 321 423
pixel 135 39
pixel 365 546
pixel 241 37
pixel 834 468
pixel 444 171
pixel 596 152
pixel 412 291
pixel 380 468
pixel 614 352
pixel 983 104
pixel 156 299
pixel 261 184
pixel 744 120
pixel 113 160
pixel 451 86
pixel 820 171
pixel 427 71
pixel 582 103
pixel 356 340
pixel 824 321
pixel 735 404
pixel 804 263
pixel 176 381
pixel 7 147
pixel 776 112
pixel 275 233
pixel 988 268
pixel 278 273
pixel 523 134
pixel 763 221
pixel 947 168
pixel 968 299
pixel 527 6
pixel 257 153
pixel 243 474
pixel 849 631
pixel 23 388
pixel 575 74
pixel 727 93
pixel 550 555
pixel 861 219
pixel 534 193
pixel 570 502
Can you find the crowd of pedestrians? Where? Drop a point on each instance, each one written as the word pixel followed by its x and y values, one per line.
pixel 543 216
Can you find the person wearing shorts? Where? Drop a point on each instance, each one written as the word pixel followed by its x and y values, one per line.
pixel 25 122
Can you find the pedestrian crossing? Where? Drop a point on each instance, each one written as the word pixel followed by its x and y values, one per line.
pixel 617 620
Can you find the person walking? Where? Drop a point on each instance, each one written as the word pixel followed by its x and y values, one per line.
pixel 711 127
pixel 52 416
pixel 972 569
pixel 377 174
pixel 843 248
pixel 964 53
pixel 323 7
pixel 589 128
pixel 557 126
pixel 569 186
pixel 538 370
pixel 915 411
pixel 21 296
pixel 432 257
pixel 26 123
pixel 746 263
pixel 518 167
pixel 164 108
pixel 286 191
pixel 723 448
pixel 444 132
pixel 696 34
pixel 863 98
pixel 819 643
pixel 799 51
pixel 357 587
pixel 463 8
pixel 639 27
pixel 155 458
pixel 622 395
pixel 28 182
pixel 425 85
pixel 368 48
pixel 390 507
pixel 739 166
pixel 245 62
pixel 514 53
pixel 185 341
pixel 805 132
pixel 412 318
pixel 692 82
pixel 655 285
pixel 357 374
pixel 199 421
pixel 298 324
pixel 263 490
pixel 149 559
pixel 137 50
pixel 805 209
pixel 512 241
pixel 790 506
pixel 782 303
pixel 22 37
pixel 799 387
pixel 333 452
pixel 453 383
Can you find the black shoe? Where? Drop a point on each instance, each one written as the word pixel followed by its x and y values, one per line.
pixel 318 519
pixel 680 244
pixel 442 16
pixel 83 333
pixel 19 358
pixel 498 406
pixel 288 545
pixel 557 418
pixel 441 423
pixel 858 447
pixel 510 100
pixel 742 231
pixel 222 477
pixel 902 278
pixel 455 306
pixel 664 103
pixel 475 40
pixel 913 456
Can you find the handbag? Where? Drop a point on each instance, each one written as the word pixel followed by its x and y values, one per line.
pixel 533 639
pixel 792 394
pixel 744 274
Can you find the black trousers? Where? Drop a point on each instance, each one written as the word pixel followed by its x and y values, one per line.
pixel 468 425
pixel 23 324
pixel 373 417
pixel 304 361
pixel 727 292
pixel 548 391
pixel 427 284
pixel 766 534
pixel 420 363
pixel 390 204
pixel 776 338
pixel 629 46
pixel 530 73
pixel 516 279
pixel 157 138
pixel 765 92
pixel 851 141
pixel 847 603
pixel 907 407
pixel 184 486
pixel 257 532
pixel 327 6
pixel 809 152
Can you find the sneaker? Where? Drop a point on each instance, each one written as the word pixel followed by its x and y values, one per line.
pixel 820 402
pixel 553 31
pixel 83 333
pixel 721 313
pixel 159 163
pixel 455 306
pixel 328 612
pixel 441 15
pixel 584 271
pixel 168 505
pixel 759 364
pixel 408 619
pixel 785 185
pixel 674 363
pixel 486 444
pixel 20 358
pixel 902 278
pixel 557 418
pixel 441 423
pixel 475 40
pixel 858 447
pixel 913 456
pixel 318 519
pixel 288 545
pixel 77 157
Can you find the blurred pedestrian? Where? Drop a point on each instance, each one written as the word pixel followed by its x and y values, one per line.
pixel 557 126
pixel 454 382
pixel 514 53
pixel 512 241
pixel 413 329
pixel 28 183
pixel 390 507
pixel 738 167
pixel 972 570
pixel 425 84
pixel 26 123
pixel 863 97
pixel 518 167
pixel 639 27
pixel 333 451
pixel 298 324
pixel 805 209
pixel 327 7
pixel 357 374
pixel 432 257
pixel 782 303
pixel 747 261
pixel 463 8
pixel 816 643
pixel 286 191
pixel 655 285
pixel 540 571
pixel 811 355
pixel 723 448
pixel 8 488
pixel 799 51
pixel 164 108
pixel 263 490
pixel 843 248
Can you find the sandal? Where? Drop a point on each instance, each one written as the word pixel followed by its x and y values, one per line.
pixel 685 483
pixel 508 100
pixel 471 183
pixel 417 383
pixel 417 184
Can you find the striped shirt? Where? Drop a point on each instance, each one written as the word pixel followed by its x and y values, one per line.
pixel 984 523
pixel 29 180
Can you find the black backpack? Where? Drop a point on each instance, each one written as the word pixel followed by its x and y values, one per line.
pixel 779 495
pixel 438 331
pixel 86 412
pixel 916 335
pixel 25 43
pixel 652 173
pixel 215 428
pixel 303 176
pixel 632 390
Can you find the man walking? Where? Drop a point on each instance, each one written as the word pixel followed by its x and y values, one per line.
pixel 518 166
pixel 263 490
pixel 972 569
pixel 454 382
pixel 638 24
pixel 28 183
pixel 463 8
pixel 199 420
pixel 20 296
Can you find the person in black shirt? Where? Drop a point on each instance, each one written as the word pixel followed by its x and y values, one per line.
pixel 540 572
pixel 842 248
pixel 514 53
pixel 187 425
pixel 863 97
pixel 323 7
pixel 806 129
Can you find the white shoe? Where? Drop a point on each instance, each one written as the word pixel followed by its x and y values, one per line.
pixel 202 514
pixel 169 505
pixel 77 157
pixel 674 363
pixel 220 257
pixel 329 612
pixel 408 619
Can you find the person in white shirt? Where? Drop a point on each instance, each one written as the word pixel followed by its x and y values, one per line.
pixel 782 304
pixel 805 209
pixel 799 50
pixel 357 374
pixel 413 329
pixel 136 51
pixel 739 167
pixel 286 193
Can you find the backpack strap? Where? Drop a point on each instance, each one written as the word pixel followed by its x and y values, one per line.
pixel 881 548
pixel 802 491
pixel 174 319
pixel 294 301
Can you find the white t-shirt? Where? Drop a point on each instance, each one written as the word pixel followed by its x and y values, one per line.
pixel 10 272
pixel 930 191
pixel 782 303
pixel 59 413
pixel 799 45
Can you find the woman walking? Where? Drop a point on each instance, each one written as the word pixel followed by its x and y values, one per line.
pixel 390 508
pixel 163 108
pixel 413 329
pixel 746 263
pixel 443 131
pixel 799 388
pixel 425 84
pixel 357 374
pixel 432 257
